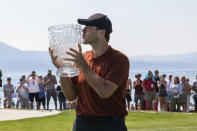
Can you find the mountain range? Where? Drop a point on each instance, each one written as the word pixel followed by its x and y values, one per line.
pixel 15 60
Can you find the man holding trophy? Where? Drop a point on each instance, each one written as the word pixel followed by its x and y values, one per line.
pixel 100 85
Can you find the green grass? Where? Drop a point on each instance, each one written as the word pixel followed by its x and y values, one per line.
pixel 143 121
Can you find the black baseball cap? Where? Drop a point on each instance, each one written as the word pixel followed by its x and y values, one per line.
pixel 99 20
pixel 156 71
pixel 33 73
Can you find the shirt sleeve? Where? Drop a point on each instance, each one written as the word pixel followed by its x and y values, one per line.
pixel 12 87
pixel 144 84
pixel 45 79
pixel 180 89
pixel 194 83
pixel 119 70
pixel 3 87
pixel 134 83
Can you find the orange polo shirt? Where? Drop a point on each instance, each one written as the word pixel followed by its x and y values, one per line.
pixel 113 66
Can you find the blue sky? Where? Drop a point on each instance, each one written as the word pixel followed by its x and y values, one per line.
pixel 140 27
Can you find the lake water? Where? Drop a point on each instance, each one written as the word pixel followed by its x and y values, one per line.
pixel 16 76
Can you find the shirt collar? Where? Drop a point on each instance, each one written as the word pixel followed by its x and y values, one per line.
pixel 103 56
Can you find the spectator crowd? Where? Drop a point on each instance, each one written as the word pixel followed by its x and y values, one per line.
pixel 154 92
pixel 34 92
pixel 167 92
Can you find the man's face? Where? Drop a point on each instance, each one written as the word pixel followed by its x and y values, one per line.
pixel 33 75
pixel 40 79
pixel 162 78
pixel 22 81
pixel 170 77
pixel 175 80
pixel 156 74
pixel 183 80
pixel 150 74
pixel 90 35
pixel 49 73
pixel 9 81
pixel 138 77
pixel 23 78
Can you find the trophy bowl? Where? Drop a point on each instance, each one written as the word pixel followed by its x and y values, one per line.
pixel 61 39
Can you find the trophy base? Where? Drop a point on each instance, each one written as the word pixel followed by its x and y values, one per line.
pixel 67 72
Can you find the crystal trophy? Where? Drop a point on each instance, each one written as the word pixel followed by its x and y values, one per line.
pixel 61 39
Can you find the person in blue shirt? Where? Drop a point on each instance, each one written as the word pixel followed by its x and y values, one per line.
pixel 61 98
pixel 42 92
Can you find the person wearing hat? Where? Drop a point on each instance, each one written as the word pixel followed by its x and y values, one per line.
pixel 194 88
pixel 50 82
pixel 139 92
pixel 33 89
pixel 101 85
pixel 8 90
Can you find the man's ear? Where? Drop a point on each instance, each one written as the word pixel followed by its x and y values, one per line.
pixel 102 32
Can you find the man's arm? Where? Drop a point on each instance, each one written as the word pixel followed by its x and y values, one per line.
pixel 134 84
pixel 4 92
pixel 194 87
pixel 17 89
pixel 68 88
pixel 28 78
pixel 130 84
pixel 26 88
pixel 12 90
pixel 104 88
pixel 54 80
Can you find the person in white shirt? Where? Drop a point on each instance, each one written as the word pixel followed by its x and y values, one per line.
pixel 169 93
pixel 176 92
pixel 22 95
pixel 33 89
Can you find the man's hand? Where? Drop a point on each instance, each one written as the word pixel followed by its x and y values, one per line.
pixel 57 63
pixel 78 58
